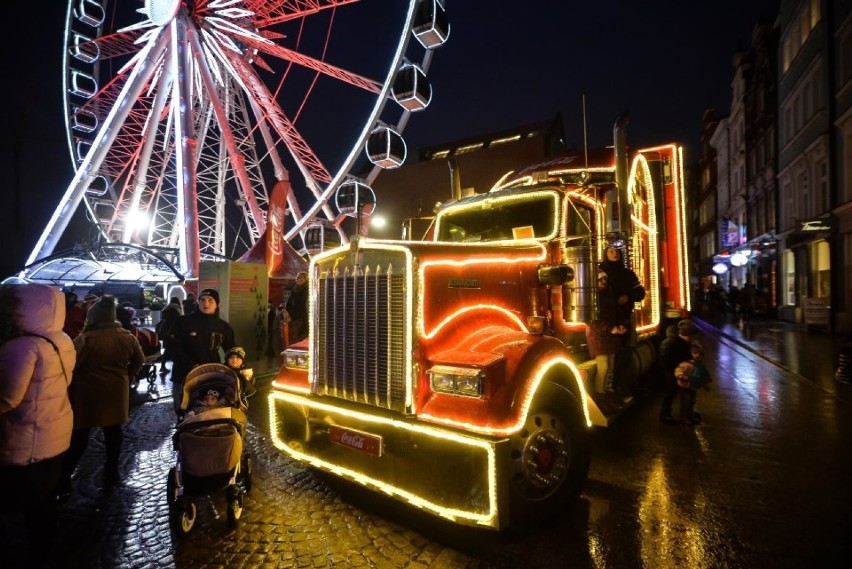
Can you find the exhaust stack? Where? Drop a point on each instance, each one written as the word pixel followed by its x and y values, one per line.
pixel 621 173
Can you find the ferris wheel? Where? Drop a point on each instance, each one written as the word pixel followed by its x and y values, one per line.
pixel 185 116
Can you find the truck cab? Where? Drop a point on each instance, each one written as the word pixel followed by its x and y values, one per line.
pixel 454 374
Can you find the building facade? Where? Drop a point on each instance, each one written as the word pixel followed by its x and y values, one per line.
pixel 745 150
pixel 813 243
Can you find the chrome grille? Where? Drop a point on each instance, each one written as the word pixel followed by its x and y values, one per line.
pixel 361 333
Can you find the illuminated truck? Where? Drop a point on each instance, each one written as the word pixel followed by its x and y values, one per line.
pixel 454 373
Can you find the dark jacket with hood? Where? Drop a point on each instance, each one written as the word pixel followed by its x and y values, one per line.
pixel 622 281
pixel 197 339
pixel 107 357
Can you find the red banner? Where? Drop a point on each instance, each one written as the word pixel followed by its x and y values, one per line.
pixel 275 226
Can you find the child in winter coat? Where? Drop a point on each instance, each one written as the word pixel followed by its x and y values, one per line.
pixel 211 399
pixel 235 359
pixel 691 376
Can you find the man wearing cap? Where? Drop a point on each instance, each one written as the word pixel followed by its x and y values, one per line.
pixel 199 338
pixel 676 348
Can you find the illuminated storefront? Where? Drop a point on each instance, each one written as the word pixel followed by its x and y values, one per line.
pixel 806 272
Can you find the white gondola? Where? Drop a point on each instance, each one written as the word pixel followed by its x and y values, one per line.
pixel 431 26
pixel 411 88
pixel 386 147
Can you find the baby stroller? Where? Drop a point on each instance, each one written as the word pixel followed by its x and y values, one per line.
pixel 151 348
pixel 209 438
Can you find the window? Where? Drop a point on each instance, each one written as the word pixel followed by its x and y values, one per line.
pixel 846 190
pixel 822 184
pixel 822 260
pixel 800 29
pixel 500 219
pixel 804 205
pixel 789 278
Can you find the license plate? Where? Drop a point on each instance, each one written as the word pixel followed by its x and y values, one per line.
pixel 357 440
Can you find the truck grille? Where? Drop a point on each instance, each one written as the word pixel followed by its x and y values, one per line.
pixel 361 335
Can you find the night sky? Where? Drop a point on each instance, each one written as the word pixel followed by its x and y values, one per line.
pixel 505 65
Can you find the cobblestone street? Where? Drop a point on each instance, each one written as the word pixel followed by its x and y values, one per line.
pixel 773 396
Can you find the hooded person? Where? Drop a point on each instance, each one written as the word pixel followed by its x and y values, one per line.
pixel 200 337
pixel 36 364
pixel 168 316
pixel 297 308
pixel 108 356
pixel 75 316
pixel 675 349
pixel 623 290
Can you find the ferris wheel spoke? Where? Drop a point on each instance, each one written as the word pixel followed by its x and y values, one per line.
pixel 142 194
pixel 276 12
pixel 307 62
pixel 224 123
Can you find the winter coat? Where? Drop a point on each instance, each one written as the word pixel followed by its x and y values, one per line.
pixel 623 281
pixel 198 338
pixel 673 351
pixel 35 414
pixel 107 357
pixel 297 308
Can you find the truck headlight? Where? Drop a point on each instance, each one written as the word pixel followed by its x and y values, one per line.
pixel 296 359
pixel 468 382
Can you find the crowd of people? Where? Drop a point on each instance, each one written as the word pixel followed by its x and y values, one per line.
pixel 66 367
pixel 66 370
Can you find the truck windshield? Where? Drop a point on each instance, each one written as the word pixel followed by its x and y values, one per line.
pixel 517 217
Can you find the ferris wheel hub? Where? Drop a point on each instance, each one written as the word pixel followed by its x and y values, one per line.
pixel 161 12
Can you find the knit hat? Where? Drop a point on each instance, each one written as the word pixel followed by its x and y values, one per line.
pixel 211 292
pixel 102 311
pixel 236 351
pixel 687 328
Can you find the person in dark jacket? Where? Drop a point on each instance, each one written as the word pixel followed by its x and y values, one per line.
pixel 168 316
pixel 107 357
pixel 674 350
pixel 199 338
pixel 623 290
pixel 605 336
pixel 297 308
pixel 190 304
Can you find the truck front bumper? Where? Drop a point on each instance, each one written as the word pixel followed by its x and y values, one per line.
pixel 448 473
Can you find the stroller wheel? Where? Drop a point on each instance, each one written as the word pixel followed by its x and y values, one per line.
pixel 183 515
pixel 245 471
pixel 235 505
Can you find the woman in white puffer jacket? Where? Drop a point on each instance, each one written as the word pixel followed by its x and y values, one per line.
pixel 36 363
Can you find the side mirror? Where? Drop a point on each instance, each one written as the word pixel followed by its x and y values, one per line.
pixel 555 275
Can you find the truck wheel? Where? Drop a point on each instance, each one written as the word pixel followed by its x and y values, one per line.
pixel 549 459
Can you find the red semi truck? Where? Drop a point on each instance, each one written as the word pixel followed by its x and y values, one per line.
pixel 454 374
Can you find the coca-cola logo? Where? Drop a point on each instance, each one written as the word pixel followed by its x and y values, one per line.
pixel 349 438
pixel 352 440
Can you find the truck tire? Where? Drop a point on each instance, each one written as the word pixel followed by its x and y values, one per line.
pixel 549 459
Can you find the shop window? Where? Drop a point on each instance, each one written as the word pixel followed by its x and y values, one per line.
pixel 789 278
pixel 822 258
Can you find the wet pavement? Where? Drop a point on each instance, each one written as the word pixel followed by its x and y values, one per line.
pixel 762 482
